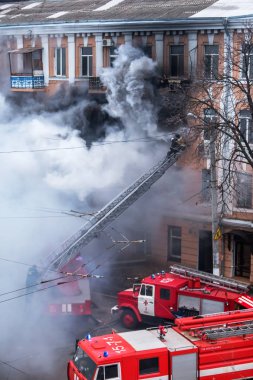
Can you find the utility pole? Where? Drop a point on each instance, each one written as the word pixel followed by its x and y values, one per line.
pixel 214 203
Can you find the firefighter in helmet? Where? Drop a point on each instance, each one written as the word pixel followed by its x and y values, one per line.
pixel 176 143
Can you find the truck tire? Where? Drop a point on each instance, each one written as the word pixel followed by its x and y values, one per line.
pixel 128 319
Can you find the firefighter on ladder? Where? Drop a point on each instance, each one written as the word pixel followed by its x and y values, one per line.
pixel 177 142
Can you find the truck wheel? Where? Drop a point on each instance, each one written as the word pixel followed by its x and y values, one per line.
pixel 128 319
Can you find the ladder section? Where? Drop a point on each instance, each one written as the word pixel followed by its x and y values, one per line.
pixel 111 211
pixel 211 279
pixel 225 332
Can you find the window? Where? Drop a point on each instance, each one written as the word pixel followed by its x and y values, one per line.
pixel 37 60
pixel 108 372
pixel 247 61
pixel 164 294
pixel 84 364
pixel 147 290
pixel 174 243
pixel 244 190
pixel 210 118
pixel 147 50
pixel 246 125
pixel 176 60
pixel 60 61
pixel 149 365
pixel 86 62
pixel 113 54
pixel 206 185
pixel 211 61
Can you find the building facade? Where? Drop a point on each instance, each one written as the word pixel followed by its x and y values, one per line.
pixel 45 46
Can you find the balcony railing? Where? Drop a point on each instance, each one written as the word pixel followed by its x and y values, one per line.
pixel 95 85
pixel 27 82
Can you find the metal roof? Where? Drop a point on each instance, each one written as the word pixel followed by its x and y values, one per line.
pixel 60 11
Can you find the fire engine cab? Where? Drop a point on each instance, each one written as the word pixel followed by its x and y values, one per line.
pixel 210 347
pixel 179 293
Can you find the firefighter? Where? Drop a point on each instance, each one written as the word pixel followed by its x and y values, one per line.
pixel 176 143
pixel 32 276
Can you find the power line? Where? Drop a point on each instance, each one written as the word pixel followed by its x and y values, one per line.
pixel 141 139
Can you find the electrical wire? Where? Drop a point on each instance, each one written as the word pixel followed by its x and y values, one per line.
pixel 141 139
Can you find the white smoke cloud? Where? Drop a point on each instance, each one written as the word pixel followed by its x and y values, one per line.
pixel 130 92
pixel 46 169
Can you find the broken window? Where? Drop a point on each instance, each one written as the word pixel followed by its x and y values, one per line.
pixel 211 61
pixel 176 60
pixel 174 243
pixel 86 61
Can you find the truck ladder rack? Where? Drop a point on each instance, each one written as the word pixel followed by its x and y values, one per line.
pixel 108 213
pixel 209 278
pixel 224 332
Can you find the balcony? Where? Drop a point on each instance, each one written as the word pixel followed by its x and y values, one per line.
pixel 26 70
pixel 27 82
pixel 96 86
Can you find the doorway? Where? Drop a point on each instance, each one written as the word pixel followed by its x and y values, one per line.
pixel 205 251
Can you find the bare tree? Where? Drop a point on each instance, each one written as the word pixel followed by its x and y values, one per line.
pixel 221 102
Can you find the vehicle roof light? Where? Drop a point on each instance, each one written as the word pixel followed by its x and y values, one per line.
pixel 105 354
pixel 88 337
pixel 152 276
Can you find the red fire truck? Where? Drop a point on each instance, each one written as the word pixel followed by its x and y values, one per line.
pixel 71 295
pixel 180 292
pixel 210 347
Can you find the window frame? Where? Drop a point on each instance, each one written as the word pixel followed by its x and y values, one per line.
pixel 244 191
pixel 60 61
pixel 112 54
pixel 244 115
pixel 247 55
pixel 89 63
pixel 179 57
pixel 206 190
pixel 150 370
pixel 209 71
pixel 172 243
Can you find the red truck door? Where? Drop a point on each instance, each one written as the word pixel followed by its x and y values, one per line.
pixel 146 300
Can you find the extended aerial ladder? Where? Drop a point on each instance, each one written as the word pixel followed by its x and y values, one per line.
pixel 211 279
pixel 69 249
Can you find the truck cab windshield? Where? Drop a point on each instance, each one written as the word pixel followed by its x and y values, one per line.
pixel 84 364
